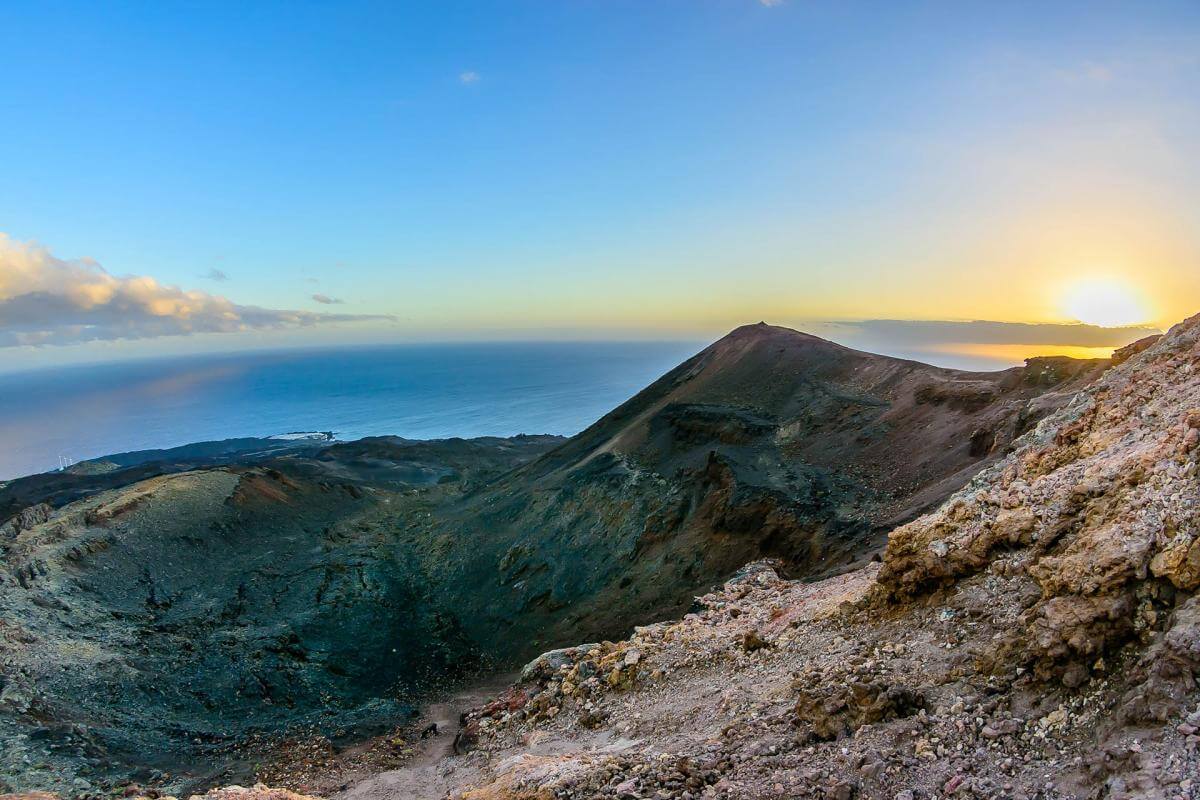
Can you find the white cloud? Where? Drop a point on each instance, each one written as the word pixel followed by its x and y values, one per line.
pixel 45 300
pixel 326 299
pixel 215 274
pixel 770 3
pixel 469 77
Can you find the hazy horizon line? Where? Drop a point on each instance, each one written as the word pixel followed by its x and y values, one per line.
pixel 914 339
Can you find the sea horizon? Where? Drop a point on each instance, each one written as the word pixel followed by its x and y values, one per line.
pixel 413 390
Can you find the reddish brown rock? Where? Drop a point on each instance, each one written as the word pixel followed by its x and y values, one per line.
pixel 1104 497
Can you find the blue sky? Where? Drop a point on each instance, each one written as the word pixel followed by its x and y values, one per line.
pixel 652 168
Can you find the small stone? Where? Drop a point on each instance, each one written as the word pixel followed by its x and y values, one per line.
pixel 751 641
pixel 843 790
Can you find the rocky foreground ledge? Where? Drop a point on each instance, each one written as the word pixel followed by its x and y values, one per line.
pixel 1036 637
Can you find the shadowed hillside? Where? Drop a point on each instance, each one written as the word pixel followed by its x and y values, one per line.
pixel 156 615
pixel 769 442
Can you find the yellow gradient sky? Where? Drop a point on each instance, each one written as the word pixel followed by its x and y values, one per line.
pixel 355 173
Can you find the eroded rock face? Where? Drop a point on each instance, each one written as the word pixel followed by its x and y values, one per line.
pixel 1166 672
pixel 1102 500
pixel 25 519
pixel 836 711
pixel 1123 354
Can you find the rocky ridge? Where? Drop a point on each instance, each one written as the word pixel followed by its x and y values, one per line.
pixel 770 443
pixel 378 564
pixel 1036 636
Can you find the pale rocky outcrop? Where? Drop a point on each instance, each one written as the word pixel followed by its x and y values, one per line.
pixel 1103 503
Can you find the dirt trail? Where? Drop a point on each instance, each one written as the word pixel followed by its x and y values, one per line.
pixel 434 769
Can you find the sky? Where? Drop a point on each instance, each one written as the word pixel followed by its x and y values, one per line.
pixel 179 177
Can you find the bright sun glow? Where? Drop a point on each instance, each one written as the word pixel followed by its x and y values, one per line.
pixel 1108 303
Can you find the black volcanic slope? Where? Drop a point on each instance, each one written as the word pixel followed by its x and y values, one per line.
pixel 768 443
pixel 153 617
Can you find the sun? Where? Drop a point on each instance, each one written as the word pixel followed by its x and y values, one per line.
pixel 1105 302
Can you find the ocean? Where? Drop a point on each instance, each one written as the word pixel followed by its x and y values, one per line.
pixel 415 391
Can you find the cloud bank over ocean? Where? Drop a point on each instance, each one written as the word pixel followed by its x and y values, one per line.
pixel 46 300
pixel 940 332
pixel 978 344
